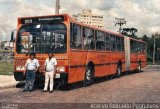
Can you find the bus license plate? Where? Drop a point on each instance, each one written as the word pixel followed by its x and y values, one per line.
pixel 57 76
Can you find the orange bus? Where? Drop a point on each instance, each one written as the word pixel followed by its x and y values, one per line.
pixel 83 52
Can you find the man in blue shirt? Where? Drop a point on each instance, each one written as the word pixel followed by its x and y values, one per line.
pixel 31 68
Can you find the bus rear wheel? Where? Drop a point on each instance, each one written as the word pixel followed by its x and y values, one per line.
pixel 139 67
pixel 119 71
pixel 89 76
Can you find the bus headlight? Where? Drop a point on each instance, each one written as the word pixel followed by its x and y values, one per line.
pixel 20 68
pixel 61 68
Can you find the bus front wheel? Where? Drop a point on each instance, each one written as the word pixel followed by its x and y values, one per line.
pixel 89 76
pixel 18 76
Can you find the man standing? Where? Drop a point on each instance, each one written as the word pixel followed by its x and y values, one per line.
pixel 50 70
pixel 31 68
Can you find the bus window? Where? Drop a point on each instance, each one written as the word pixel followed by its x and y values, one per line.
pixel 143 48
pixel 89 42
pixel 137 47
pixel 76 37
pixel 43 38
pixel 120 44
pixel 100 40
pixel 53 39
pixel 134 47
pixel 107 42
pixel 113 42
pixel 122 41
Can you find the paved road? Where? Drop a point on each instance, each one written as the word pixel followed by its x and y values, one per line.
pixel 141 87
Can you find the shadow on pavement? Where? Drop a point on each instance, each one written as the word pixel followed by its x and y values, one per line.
pixel 77 85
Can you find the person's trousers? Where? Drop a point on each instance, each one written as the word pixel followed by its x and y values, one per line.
pixel 49 77
pixel 30 77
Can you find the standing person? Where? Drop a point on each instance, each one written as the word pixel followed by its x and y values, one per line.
pixel 50 70
pixel 31 68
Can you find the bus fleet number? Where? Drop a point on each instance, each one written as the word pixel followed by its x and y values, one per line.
pixel 28 21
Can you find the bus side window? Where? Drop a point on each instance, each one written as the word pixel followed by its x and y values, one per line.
pixel 137 47
pixel 100 40
pixel 107 42
pixel 122 41
pixel 120 44
pixel 131 46
pixel 143 48
pixel 89 42
pixel 113 43
pixel 76 37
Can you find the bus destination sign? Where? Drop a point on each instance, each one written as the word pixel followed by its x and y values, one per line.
pixel 50 19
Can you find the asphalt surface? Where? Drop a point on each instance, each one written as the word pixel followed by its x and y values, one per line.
pixel 143 87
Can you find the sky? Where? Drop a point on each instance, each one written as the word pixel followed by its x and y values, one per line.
pixel 141 14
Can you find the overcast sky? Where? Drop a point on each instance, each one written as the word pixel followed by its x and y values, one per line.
pixel 141 14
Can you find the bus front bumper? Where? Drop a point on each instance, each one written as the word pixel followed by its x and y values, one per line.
pixel 61 78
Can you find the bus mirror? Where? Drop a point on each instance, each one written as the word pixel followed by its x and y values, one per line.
pixel 12 36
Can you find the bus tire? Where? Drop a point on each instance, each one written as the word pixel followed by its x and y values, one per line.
pixel 18 76
pixel 89 75
pixel 119 71
pixel 139 68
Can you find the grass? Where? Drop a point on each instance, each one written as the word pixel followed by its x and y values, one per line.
pixel 6 68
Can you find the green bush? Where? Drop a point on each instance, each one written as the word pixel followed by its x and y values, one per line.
pixel 6 68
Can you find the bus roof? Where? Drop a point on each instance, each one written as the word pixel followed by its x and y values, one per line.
pixel 139 40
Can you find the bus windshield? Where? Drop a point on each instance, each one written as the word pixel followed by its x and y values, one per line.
pixel 42 38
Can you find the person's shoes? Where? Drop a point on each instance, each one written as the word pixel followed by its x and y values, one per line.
pixel 25 90
pixel 31 90
pixel 51 91
pixel 44 91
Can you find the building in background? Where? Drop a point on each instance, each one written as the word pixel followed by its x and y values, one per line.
pixel 87 17
pixel 9 45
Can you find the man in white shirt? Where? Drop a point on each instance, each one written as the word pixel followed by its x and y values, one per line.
pixel 31 68
pixel 50 70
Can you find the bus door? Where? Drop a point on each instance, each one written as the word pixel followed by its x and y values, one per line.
pixel 127 53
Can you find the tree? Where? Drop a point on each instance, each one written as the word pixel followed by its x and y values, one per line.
pixel 130 32
pixel 149 45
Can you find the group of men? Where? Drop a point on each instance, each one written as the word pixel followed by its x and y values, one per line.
pixel 31 68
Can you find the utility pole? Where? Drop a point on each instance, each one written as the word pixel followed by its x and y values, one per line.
pixel 154 36
pixel 120 22
pixel 57 6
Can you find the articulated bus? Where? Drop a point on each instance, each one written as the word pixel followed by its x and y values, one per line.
pixel 83 52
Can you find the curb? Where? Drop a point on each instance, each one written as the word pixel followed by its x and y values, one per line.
pixel 153 65
pixel 13 84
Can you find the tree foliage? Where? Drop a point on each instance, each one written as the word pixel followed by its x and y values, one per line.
pixel 150 43
pixel 130 32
